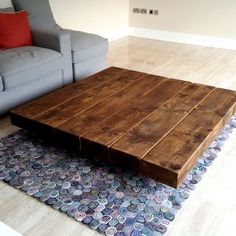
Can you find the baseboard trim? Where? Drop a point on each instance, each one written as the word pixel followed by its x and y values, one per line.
pixel 183 38
pixel 116 34
pixel 169 36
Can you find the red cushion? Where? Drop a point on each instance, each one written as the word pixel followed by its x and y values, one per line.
pixel 14 30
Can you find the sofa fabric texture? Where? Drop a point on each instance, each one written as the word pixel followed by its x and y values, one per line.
pixel 40 13
pixel 24 58
pixel 82 70
pixel 57 57
pixel 29 72
pixel 26 92
pixel 1 84
pixel 86 46
pixel 34 61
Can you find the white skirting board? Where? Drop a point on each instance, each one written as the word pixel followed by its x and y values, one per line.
pixel 176 37
pixel 183 38
pixel 116 34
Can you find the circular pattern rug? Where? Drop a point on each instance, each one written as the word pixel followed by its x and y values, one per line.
pixel 108 199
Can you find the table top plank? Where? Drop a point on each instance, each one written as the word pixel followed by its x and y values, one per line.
pixel 157 126
pixel 68 92
pixel 180 149
pixel 80 124
pixel 116 126
pixel 88 99
pixel 142 138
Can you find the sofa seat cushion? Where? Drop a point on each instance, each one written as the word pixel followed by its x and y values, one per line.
pixel 86 46
pixel 21 65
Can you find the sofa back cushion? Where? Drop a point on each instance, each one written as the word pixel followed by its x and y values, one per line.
pixel 40 13
pixel 14 30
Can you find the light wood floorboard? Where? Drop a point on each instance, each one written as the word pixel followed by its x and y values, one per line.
pixel 211 207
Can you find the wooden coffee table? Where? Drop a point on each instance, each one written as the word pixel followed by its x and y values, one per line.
pixel 157 126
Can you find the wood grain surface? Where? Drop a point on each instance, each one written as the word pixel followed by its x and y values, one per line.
pixel 157 126
pixel 179 150
pixel 70 91
pixel 204 213
pixel 89 98
pixel 141 139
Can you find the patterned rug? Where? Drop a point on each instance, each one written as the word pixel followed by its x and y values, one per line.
pixel 110 200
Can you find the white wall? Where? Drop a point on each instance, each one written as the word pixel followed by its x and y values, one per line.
pixel 105 17
pixel 109 18
pixel 5 3
pixel 215 18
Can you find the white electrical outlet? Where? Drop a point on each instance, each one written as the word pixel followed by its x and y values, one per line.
pixel 143 11
pixel 135 10
pixel 153 12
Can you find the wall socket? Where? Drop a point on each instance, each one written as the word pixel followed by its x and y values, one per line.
pixel 153 12
pixel 143 11
pixel 135 10
pixel 146 11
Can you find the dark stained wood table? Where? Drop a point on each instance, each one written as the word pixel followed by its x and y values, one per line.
pixel 157 126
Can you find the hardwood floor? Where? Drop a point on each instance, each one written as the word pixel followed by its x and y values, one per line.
pixel 5 127
pixel 181 61
pixel 211 207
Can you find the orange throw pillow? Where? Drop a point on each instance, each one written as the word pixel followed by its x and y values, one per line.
pixel 14 30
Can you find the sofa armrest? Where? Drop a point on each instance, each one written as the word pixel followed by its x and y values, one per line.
pixel 58 40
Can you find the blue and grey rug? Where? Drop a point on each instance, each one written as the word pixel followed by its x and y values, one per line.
pixel 110 200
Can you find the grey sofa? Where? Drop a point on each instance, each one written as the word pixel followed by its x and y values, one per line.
pixel 57 58
pixel 31 71
pixel 89 53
